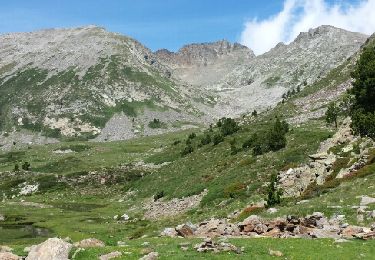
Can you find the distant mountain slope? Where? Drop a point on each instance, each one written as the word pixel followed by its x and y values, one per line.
pixel 88 82
pixel 72 81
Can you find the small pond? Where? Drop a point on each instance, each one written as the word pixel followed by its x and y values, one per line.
pixel 9 232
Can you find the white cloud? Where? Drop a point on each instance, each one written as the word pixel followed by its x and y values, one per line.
pixel 301 15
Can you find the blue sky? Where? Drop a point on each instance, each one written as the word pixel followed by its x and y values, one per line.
pixel 156 23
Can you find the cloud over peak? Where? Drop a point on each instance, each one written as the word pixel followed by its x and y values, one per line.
pixel 301 15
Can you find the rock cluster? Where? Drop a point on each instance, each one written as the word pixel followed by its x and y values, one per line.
pixel 311 226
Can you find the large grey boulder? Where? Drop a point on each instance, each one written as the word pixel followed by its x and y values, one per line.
pixel 52 248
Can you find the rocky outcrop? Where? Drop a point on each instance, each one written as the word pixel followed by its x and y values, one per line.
pixel 53 248
pixel 295 181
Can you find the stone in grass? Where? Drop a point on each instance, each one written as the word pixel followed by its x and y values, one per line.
pixel 365 200
pixel 2 217
pixel 89 243
pixel 52 248
pixel 275 253
pixel 110 255
pixel 150 256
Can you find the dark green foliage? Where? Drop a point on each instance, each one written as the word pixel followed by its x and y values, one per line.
pixel 227 126
pixel 156 123
pixel 274 193
pixel 332 114
pixel 272 139
pixel 187 150
pixel 16 167
pixel 206 139
pixel 26 166
pixel 233 148
pixel 176 142
pixel 218 138
pixel 363 109
pixel 159 195
pixel 254 113
pixel 250 142
pixel 192 136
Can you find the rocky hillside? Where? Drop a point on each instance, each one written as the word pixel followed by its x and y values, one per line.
pixel 70 82
pixel 262 82
pixel 90 83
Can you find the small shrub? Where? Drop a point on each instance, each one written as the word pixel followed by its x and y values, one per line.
pixel 187 150
pixel 192 136
pixel 217 139
pixel 274 193
pixel 156 123
pixel 16 167
pixel 159 195
pixel 26 166
pixel 206 139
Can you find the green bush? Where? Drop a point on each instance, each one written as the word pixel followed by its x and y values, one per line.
pixel 187 150
pixel 156 123
pixel 227 126
pixel 206 139
pixel 217 139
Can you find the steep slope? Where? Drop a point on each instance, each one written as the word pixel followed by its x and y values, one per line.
pixel 70 82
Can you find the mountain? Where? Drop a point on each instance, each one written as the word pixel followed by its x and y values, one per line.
pixel 205 63
pixel 90 83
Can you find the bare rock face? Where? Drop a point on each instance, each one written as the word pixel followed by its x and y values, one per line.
pixel 53 248
pixel 205 63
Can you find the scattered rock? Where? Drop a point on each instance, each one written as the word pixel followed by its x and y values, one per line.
pixel 125 217
pixel 9 256
pixel 272 210
pixel 89 242
pixel 110 255
pixel 2 217
pixel 53 248
pixel 150 256
pixel 208 245
pixel 275 253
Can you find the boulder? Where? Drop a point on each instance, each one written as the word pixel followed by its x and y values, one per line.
pixel 52 248
pixel 2 217
pixel 89 243
pixel 365 200
pixel 110 255
pixel 185 230
pixel 9 256
pixel 169 232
